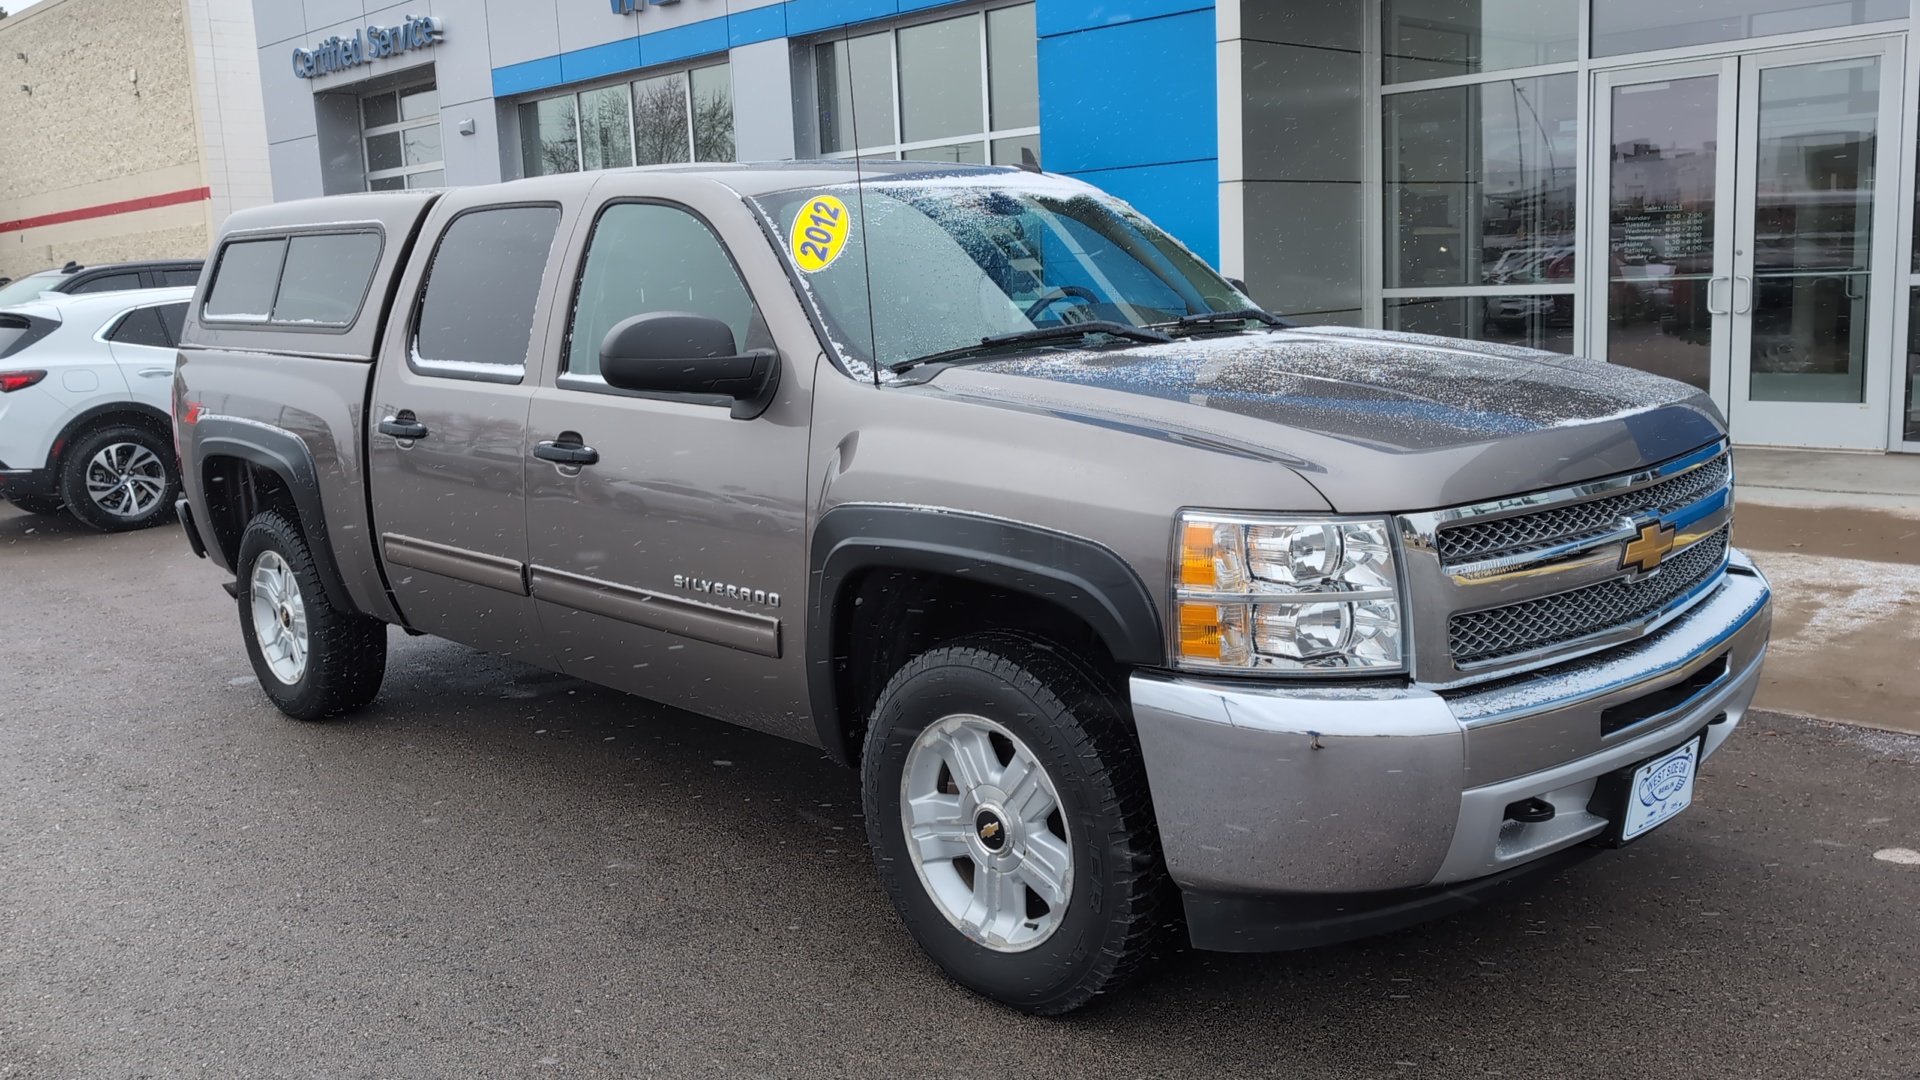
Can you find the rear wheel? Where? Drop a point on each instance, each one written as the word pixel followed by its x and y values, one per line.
pixel 312 659
pixel 1008 810
pixel 118 478
pixel 38 504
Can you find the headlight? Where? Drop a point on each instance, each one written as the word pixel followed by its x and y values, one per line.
pixel 1284 594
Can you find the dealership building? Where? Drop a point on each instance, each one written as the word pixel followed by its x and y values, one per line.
pixel 129 129
pixel 1717 190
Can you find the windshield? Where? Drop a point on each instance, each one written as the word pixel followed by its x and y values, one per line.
pixel 29 287
pixel 941 264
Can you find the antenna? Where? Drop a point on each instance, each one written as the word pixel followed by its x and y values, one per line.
pixel 860 203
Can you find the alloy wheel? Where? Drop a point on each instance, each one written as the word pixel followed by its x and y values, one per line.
pixel 279 617
pixel 986 833
pixel 126 479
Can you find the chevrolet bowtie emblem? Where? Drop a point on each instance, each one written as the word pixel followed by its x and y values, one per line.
pixel 1644 552
pixel 990 830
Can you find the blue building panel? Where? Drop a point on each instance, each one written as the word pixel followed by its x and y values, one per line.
pixel 1066 16
pixel 528 77
pixel 1182 197
pixel 756 25
pixel 1141 93
pixel 682 42
pixel 811 16
pixel 600 60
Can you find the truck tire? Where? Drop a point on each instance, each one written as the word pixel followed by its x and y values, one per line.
pixel 312 659
pixel 1033 871
pixel 119 477
pixel 37 504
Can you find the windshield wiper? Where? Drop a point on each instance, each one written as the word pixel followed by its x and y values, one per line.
pixel 1209 318
pixel 1038 336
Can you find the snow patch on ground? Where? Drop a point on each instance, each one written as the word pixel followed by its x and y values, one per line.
pixel 1845 597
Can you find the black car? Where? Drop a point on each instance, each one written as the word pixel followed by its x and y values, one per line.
pixel 107 277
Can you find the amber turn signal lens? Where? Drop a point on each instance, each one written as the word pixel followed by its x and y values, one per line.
pixel 1197 568
pixel 1201 631
pixel 1214 634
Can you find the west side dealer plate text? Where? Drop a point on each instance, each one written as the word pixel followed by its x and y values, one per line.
pixel 1661 788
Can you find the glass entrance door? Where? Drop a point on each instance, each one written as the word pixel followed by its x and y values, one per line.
pixel 1812 335
pixel 1745 225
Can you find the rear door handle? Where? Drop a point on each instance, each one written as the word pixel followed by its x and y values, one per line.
pixel 566 453
pixel 156 373
pixel 403 426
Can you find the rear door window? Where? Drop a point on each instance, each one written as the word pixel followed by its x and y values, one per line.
pixel 475 315
pixel 142 326
pixel 174 318
pixel 246 279
pixel 326 277
pixel 15 332
pixel 107 283
pixel 171 278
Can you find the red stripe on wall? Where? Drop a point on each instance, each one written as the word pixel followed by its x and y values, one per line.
pixel 124 206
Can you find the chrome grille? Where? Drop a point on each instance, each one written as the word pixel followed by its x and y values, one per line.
pixel 1577 521
pixel 1479 636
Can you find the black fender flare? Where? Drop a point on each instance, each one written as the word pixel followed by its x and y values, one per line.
pixel 1087 579
pixel 285 455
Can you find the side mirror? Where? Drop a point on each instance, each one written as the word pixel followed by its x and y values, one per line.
pixel 675 352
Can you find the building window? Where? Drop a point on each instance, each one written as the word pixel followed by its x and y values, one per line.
pixel 400 130
pixel 962 89
pixel 679 116
pixel 1480 191
pixel 1624 26
pixel 1436 39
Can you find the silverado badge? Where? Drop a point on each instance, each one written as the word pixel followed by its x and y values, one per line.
pixel 1643 553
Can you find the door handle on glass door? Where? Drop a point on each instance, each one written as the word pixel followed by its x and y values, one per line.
pixel 1741 307
pixel 1713 283
pixel 566 450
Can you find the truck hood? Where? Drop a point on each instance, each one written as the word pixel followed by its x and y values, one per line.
pixel 1376 421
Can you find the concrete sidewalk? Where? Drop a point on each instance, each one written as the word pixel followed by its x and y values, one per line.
pixel 1839 537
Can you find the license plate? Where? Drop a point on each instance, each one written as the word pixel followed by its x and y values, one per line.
pixel 1661 788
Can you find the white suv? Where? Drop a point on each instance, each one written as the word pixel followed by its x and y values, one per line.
pixel 85 388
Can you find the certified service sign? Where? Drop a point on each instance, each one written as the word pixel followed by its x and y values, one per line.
pixel 339 54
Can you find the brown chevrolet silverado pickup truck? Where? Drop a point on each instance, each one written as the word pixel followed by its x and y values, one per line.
pixel 1139 610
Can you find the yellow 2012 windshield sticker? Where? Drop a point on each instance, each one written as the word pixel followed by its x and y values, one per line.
pixel 819 233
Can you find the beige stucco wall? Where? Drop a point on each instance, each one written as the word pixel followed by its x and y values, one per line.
pixel 111 115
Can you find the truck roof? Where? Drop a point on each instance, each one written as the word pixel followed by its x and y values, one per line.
pixel 748 179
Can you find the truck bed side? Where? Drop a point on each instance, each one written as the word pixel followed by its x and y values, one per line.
pixel 273 415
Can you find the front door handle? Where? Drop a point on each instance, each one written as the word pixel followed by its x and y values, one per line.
pixel 403 426
pixel 1713 283
pixel 566 451
pixel 1740 306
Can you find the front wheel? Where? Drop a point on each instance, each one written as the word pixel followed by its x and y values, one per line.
pixel 1008 810
pixel 312 659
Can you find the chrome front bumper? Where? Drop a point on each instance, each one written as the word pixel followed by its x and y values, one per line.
pixel 1292 791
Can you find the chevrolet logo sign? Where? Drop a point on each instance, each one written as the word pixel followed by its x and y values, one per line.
pixel 1644 552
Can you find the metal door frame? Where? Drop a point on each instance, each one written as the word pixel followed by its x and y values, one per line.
pixel 1894 211
pixel 1803 423
pixel 1596 283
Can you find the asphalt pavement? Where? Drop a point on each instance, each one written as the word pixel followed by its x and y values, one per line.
pixel 500 872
